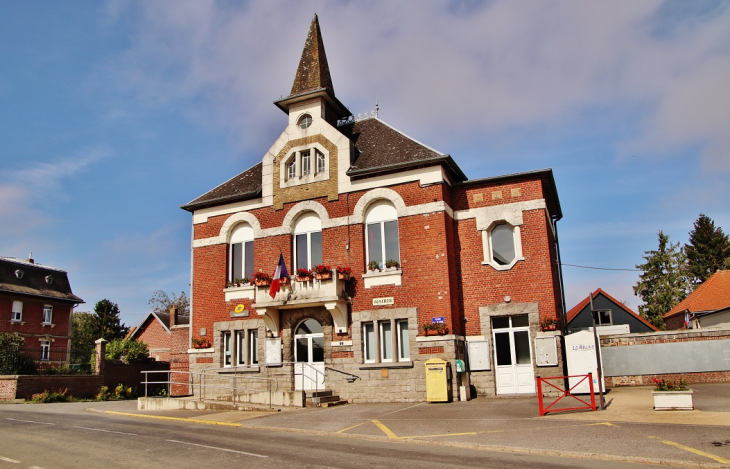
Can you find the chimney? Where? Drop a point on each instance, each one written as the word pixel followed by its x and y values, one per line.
pixel 30 258
pixel 173 316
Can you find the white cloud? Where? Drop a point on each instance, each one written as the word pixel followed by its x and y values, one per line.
pixel 448 72
pixel 27 192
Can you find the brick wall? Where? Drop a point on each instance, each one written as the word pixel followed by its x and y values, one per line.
pixel 179 359
pixel 31 325
pixel 157 338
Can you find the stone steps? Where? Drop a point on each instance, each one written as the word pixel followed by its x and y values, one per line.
pixel 324 399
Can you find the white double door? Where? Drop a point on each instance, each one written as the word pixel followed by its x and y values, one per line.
pixel 309 357
pixel 513 355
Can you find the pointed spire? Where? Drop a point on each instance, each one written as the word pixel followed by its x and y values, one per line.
pixel 313 72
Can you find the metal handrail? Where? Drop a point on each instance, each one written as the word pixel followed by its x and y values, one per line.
pixel 203 386
pixel 354 376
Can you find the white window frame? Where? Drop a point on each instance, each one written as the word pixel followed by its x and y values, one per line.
pixel 45 350
pixel 319 162
pixel 306 225
pixel 227 349
pixel 291 167
pixel 487 244
pixel 305 121
pixel 47 314
pixel 384 343
pixel 397 345
pixel 242 233
pixel 305 160
pixel 379 213
pixel 17 311
pixel 400 323
pixel 247 347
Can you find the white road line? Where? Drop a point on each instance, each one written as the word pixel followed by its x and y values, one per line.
pixel 219 449
pixel 30 421
pixel 9 460
pixel 106 431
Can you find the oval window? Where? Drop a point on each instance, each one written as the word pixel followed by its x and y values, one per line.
pixel 305 121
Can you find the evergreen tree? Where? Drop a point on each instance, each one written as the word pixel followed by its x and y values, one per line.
pixel 84 331
pixel 708 249
pixel 108 322
pixel 664 281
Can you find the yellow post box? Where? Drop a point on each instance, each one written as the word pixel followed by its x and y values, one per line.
pixel 438 380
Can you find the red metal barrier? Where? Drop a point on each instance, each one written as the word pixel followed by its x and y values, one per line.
pixel 565 393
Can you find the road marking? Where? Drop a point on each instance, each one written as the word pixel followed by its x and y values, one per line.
pixel 176 419
pixel 692 450
pixel 9 460
pixel 608 424
pixel 444 434
pixel 219 449
pixel 401 410
pixel 350 428
pixel 106 431
pixel 30 421
pixel 385 430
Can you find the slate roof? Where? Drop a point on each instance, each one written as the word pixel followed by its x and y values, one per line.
pixel 246 185
pixel 712 295
pixel 33 281
pixel 313 72
pixel 379 149
pixel 579 307
pixel 382 148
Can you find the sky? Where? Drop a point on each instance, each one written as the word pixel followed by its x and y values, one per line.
pixel 115 113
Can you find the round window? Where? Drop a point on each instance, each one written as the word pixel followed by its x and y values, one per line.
pixel 305 121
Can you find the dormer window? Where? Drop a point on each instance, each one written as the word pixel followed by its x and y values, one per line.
pixel 319 156
pixel 49 279
pixel 305 121
pixel 19 274
pixel 306 163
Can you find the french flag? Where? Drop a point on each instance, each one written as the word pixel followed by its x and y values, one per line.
pixel 278 275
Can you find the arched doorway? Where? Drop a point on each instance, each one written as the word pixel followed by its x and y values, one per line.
pixel 309 356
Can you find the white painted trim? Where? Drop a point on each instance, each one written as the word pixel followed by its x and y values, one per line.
pixel 375 279
pixel 511 213
pixel 240 293
pixel 310 205
pixel 233 220
pixel 476 338
pixel 202 215
pixel 487 248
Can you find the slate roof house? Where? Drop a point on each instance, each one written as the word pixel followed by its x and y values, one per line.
pixel 154 330
pixel 36 302
pixel 440 265
pixel 611 312
pixel 708 305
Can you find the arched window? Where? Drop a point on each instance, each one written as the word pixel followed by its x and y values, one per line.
pixel 307 241
pixel 381 233
pixel 241 252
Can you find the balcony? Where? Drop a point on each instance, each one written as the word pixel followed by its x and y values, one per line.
pixel 331 293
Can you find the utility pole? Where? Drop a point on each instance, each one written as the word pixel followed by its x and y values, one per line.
pixel 594 314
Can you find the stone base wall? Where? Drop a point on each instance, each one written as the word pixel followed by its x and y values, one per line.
pixel 647 380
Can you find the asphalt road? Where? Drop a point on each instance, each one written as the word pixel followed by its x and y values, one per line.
pixel 67 436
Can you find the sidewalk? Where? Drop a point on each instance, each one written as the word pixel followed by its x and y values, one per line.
pixel 628 430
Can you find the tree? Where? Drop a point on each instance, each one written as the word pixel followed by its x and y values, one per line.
pixel 664 281
pixel 12 359
pixel 132 350
pixel 708 249
pixel 109 324
pixel 84 332
pixel 161 302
